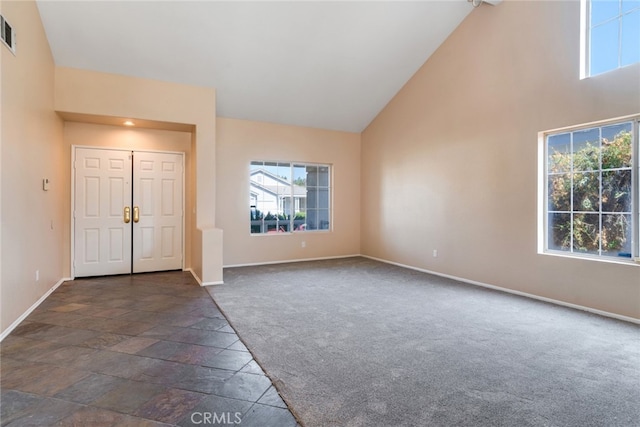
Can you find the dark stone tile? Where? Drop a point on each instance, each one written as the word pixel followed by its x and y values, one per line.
pixel 56 318
pixel 21 373
pixel 237 346
pixel 64 356
pixel 196 354
pixel 90 323
pixel 182 320
pixel 125 327
pixel 201 379
pixel 129 396
pixel 227 329
pixel 69 307
pixel 243 386
pixel 14 403
pixel 161 332
pixel 123 303
pixel 170 406
pixel 89 416
pixel 164 372
pixel 120 364
pixel 90 388
pixel 59 334
pixel 31 329
pixel 141 316
pixel 110 312
pixel 27 349
pixel 97 417
pixel 45 413
pixel 104 340
pixel 228 359
pixel 211 311
pixel 133 345
pixel 7 365
pixel 226 412
pixel 268 416
pixel 272 398
pixel 210 324
pixel 252 368
pixel 154 306
pixel 52 381
pixel 163 350
pixel 204 337
pixel 98 342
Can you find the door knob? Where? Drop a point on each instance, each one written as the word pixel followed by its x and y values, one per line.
pixel 136 214
pixel 127 214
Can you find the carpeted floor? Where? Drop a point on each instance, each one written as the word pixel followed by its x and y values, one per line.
pixel 354 342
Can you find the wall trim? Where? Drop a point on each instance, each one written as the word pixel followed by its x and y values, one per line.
pixel 290 260
pixel 200 282
pixel 35 305
pixel 513 291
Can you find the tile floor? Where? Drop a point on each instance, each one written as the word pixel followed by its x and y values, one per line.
pixel 141 350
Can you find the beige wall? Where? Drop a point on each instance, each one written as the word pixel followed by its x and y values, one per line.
pixel 238 143
pixel 96 135
pixel 92 94
pixel 31 137
pixel 451 163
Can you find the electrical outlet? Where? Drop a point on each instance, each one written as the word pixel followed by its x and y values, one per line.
pixel 303 244
pixel 435 253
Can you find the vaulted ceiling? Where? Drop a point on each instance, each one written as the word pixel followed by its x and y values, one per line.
pixel 325 64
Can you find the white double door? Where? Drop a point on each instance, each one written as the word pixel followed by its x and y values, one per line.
pixel 128 211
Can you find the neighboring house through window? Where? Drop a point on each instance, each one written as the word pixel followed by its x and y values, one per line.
pixel 610 35
pixel 286 197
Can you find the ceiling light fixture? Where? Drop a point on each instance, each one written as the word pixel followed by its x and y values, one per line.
pixel 129 123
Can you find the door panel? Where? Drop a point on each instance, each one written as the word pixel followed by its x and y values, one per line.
pixel 102 189
pixel 158 196
pixel 104 185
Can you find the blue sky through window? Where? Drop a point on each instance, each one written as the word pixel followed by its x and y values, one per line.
pixel 614 34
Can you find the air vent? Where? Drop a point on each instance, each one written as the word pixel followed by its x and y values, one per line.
pixel 8 35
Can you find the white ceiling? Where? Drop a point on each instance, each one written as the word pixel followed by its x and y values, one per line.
pixel 331 65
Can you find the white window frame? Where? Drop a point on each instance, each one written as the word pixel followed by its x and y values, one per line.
pixel 543 192
pixel 585 38
pixel 295 203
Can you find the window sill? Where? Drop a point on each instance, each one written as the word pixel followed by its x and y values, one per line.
pixel 621 261
pixel 291 233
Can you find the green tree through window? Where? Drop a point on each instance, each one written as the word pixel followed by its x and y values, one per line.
pixel 590 191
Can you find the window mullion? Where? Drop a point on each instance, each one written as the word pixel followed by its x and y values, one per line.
pixel 571 194
pixel 635 189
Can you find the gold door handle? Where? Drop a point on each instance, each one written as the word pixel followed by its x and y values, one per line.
pixel 136 214
pixel 127 214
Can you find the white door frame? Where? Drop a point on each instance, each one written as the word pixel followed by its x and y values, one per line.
pixel 73 194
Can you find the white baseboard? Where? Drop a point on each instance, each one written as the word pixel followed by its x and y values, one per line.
pixel 512 291
pixel 221 282
pixel 19 320
pixel 287 261
pixel 200 282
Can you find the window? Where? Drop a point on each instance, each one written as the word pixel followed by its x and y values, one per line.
pixel 592 192
pixel 286 197
pixel 611 31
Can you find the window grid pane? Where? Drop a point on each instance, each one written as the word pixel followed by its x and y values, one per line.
pixel 590 206
pixel 286 197
pixel 613 34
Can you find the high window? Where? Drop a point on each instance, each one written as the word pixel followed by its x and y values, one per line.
pixel 289 197
pixel 611 35
pixel 591 190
